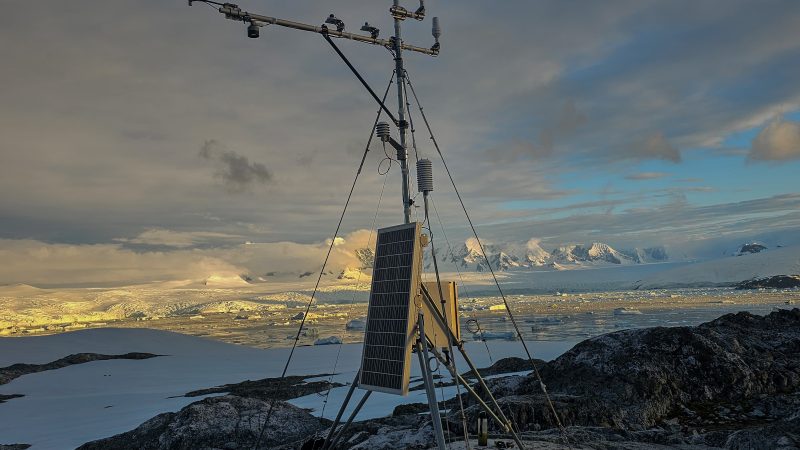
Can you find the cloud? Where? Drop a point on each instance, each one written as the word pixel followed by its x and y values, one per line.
pixel 235 171
pixel 568 121
pixel 582 86
pixel 667 219
pixel 160 237
pixel 778 141
pixel 46 264
pixel 645 176
pixel 565 124
pixel 655 146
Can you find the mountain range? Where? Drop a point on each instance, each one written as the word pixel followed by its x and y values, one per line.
pixel 530 255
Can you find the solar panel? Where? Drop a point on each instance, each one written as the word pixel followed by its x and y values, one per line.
pixel 389 333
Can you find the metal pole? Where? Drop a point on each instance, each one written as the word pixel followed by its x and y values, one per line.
pixel 430 389
pixel 341 411
pixel 402 153
pixel 350 419
pixel 235 13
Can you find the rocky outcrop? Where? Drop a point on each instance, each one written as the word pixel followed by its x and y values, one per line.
pixel 732 370
pixel 773 282
pixel 753 247
pixel 227 422
pixel 17 370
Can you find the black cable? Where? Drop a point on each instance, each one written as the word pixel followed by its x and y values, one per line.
pixel 388 156
pixel 211 6
pixel 388 168
pixel 483 252
pixel 325 263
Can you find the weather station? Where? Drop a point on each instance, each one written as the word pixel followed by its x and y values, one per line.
pixel 405 315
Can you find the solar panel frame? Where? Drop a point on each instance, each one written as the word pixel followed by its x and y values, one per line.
pixel 391 315
pixel 433 329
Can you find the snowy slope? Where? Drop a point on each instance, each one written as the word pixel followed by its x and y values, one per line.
pixel 728 270
pixel 595 252
pixel 66 407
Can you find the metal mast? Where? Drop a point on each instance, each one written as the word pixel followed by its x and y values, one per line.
pixel 402 152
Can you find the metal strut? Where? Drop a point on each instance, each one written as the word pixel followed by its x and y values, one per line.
pixel 341 411
pixel 502 419
pixel 233 12
pixel 430 388
pixel 349 420
pixel 360 78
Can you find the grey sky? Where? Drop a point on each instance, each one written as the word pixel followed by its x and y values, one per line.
pixel 543 109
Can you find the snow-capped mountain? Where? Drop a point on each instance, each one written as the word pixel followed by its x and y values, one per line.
pixel 594 252
pixel 649 254
pixel 502 257
pixel 530 255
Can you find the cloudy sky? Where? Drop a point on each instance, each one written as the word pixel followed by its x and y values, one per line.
pixel 148 130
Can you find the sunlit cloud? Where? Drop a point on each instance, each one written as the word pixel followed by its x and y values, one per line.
pixel 778 141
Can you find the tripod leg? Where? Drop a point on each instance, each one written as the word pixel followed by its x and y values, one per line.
pixel 433 404
pixel 349 420
pixel 341 411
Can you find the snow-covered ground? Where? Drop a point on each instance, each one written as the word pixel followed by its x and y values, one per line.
pixel 69 406
pixel 27 309
pixel 66 407
pixel 727 270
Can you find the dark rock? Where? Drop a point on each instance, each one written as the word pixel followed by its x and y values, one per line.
pixel 227 422
pixel 410 408
pixel 784 434
pixel 751 248
pixel 14 446
pixel 773 282
pixel 285 388
pixel 17 370
pixel 6 397
pixel 506 365
pixel 634 379
pixel 402 432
